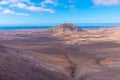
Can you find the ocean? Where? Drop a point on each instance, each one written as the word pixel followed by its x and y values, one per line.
pixel 41 27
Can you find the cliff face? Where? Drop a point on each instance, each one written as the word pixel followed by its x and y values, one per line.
pixel 66 27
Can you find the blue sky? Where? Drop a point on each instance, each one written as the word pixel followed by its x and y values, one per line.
pixel 59 11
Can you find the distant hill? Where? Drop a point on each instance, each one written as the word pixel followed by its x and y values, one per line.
pixel 69 27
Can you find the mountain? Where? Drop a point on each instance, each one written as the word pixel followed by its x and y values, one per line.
pixel 66 33
pixel 69 27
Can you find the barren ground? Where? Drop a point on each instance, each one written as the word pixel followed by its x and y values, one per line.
pixel 93 54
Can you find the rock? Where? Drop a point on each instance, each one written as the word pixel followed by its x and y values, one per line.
pixel 66 27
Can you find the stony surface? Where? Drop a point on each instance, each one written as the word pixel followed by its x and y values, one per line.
pixel 66 27
pixel 92 54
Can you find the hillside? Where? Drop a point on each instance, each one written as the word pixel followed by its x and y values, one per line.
pixel 66 27
pixel 18 64
pixel 63 55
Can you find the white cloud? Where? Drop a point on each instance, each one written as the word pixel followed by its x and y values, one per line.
pixel 32 8
pixel 72 7
pixel 39 9
pixel 43 6
pixel 6 5
pixel 106 2
pixel 71 1
pixel 7 11
pixel 21 14
pixel 19 5
pixel 3 2
pixel 52 2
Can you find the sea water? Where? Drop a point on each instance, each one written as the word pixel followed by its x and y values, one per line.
pixel 40 27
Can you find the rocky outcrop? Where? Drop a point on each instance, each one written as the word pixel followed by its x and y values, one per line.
pixel 66 27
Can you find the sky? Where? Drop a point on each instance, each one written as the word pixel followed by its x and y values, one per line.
pixel 37 12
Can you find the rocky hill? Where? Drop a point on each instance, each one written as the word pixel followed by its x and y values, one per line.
pixel 66 27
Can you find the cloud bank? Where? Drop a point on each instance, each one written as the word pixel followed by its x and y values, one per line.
pixel 7 5
pixel 106 2
pixel 18 7
pixel 7 11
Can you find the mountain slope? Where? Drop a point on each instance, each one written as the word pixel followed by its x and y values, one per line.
pixel 69 27
pixel 21 65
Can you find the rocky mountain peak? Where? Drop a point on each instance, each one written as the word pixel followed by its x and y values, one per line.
pixel 66 27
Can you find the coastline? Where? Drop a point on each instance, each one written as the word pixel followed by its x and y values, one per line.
pixel 19 28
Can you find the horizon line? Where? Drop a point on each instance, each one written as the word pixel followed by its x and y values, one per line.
pixel 53 24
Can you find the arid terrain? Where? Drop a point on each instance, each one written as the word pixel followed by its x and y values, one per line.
pixel 64 52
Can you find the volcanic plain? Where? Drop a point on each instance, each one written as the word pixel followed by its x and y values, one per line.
pixel 64 52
